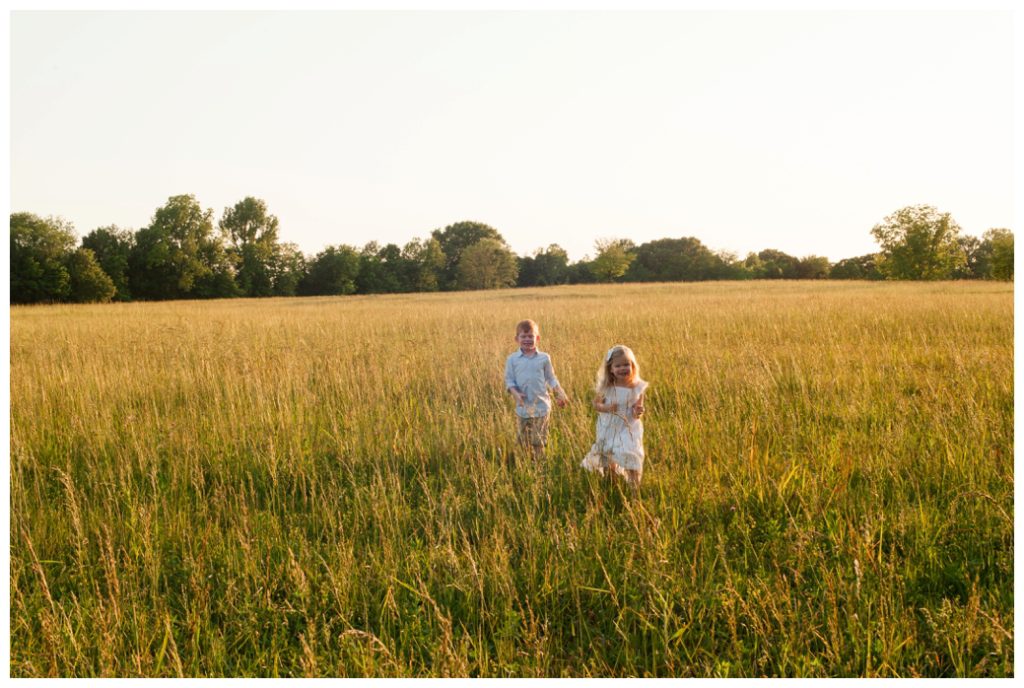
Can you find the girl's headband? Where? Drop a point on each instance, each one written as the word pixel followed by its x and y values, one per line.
pixel 608 356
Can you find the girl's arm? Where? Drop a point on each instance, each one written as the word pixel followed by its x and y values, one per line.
pixel 638 407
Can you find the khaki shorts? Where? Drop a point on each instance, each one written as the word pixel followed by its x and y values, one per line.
pixel 533 431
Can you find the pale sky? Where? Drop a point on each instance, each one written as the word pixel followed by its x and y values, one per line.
pixel 791 130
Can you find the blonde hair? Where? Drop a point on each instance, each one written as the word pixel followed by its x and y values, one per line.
pixel 605 379
pixel 527 326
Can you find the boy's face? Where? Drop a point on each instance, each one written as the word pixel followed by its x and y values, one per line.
pixel 527 340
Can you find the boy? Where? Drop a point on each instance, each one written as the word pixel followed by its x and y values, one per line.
pixel 528 374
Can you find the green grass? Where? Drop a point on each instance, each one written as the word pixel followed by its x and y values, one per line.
pixel 320 487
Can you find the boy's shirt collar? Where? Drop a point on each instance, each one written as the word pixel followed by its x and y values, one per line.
pixel 526 355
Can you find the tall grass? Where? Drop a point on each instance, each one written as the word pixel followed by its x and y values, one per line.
pixel 314 487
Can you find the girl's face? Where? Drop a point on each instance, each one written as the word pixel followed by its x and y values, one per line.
pixel 622 369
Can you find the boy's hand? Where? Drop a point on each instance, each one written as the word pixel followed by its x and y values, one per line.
pixel 520 397
pixel 561 399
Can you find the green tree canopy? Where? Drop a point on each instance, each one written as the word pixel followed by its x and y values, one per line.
pixel 975 264
pixel 731 267
pixel 289 269
pixel 89 283
pixel 613 259
pixel 177 256
pixel 672 260
pixel 545 267
pixel 113 248
pixel 812 267
pixel 456 238
pixel 219 281
pixel 581 272
pixel 998 244
pixel 772 264
pixel 859 268
pixel 252 245
pixel 332 272
pixel 381 269
pixel 424 264
pixel 918 243
pixel 487 264
pixel 39 253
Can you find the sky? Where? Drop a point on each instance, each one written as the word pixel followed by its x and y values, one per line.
pixel 747 129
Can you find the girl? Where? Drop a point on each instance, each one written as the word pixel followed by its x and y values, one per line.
pixel 619 401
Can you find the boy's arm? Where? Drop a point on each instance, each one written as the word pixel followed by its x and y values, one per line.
pixel 510 384
pixel 561 398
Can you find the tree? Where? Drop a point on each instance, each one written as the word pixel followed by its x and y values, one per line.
pixel 752 267
pixel 730 266
pixel 113 247
pixel 859 268
pixel 918 243
pixel 999 245
pixel 545 267
pixel 177 255
pixel 674 260
pixel 487 264
pixel 380 269
pixel 88 282
pixel 332 272
pixel 251 233
pixel 424 264
pixel 775 264
pixel 456 238
pixel 812 267
pixel 582 272
pixel 976 260
pixel 39 252
pixel 613 259
pixel 218 281
pixel 289 269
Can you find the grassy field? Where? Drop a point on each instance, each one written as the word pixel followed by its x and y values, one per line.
pixel 320 487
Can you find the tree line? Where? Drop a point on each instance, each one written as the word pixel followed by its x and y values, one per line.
pixel 182 255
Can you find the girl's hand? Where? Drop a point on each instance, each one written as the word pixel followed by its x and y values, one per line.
pixel 638 407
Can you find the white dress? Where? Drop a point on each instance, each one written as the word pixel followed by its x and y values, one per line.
pixel 620 435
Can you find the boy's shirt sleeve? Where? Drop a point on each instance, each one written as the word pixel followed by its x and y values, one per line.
pixel 510 376
pixel 549 374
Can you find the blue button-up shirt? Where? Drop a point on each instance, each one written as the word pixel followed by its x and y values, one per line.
pixel 531 375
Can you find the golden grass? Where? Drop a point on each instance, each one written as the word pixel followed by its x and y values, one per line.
pixel 311 487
